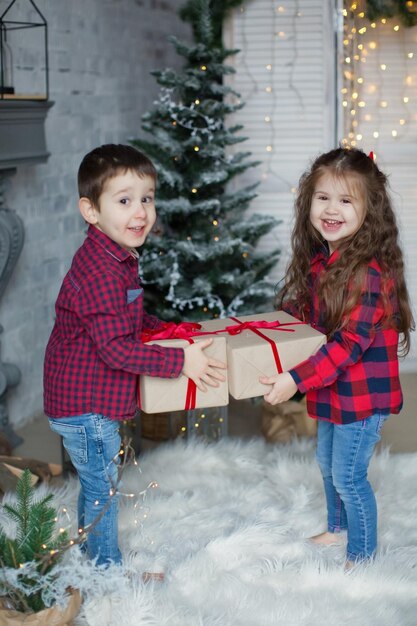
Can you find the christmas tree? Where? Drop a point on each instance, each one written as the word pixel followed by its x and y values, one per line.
pixel 32 551
pixel 405 10
pixel 201 261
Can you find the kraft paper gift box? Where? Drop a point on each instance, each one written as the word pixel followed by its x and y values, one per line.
pixel 250 353
pixel 160 395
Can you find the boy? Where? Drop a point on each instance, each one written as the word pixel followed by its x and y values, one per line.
pixel 94 354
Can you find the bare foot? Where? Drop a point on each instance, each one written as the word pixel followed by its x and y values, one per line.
pixel 327 539
pixel 153 576
pixel 349 565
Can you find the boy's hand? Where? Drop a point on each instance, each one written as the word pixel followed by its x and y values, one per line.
pixel 201 369
pixel 283 387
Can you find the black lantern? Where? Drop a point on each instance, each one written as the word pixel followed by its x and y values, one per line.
pixel 24 52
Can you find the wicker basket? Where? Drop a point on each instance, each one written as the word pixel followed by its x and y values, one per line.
pixel 163 426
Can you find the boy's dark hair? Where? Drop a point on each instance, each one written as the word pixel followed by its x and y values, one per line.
pixel 105 162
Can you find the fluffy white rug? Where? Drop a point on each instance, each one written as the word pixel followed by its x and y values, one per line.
pixel 228 525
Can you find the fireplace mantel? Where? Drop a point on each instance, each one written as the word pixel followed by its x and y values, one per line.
pixel 22 132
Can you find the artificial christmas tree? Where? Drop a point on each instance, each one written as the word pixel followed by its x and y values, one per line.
pixel 405 10
pixel 202 261
pixel 32 553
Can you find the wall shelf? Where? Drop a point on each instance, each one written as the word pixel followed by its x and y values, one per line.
pixel 22 132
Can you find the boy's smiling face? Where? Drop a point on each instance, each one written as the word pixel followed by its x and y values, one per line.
pixel 126 209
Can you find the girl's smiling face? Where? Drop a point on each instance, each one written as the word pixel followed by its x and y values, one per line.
pixel 337 209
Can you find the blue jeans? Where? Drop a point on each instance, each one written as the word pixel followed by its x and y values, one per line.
pixel 93 442
pixel 343 454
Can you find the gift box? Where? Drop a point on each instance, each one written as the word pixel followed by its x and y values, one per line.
pixel 159 395
pixel 263 345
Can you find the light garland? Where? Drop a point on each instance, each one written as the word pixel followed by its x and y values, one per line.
pixel 125 458
pixel 264 79
pixel 373 109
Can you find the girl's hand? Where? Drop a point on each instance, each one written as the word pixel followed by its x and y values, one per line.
pixel 283 387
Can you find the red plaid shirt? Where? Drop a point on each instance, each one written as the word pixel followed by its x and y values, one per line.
pixel 94 354
pixel 356 373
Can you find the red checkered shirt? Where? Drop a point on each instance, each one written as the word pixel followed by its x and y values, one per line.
pixel 356 373
pixel 94 354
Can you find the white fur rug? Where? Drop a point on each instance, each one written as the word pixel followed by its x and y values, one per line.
pixel 228 525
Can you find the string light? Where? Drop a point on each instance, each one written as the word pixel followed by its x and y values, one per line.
pixel 361 47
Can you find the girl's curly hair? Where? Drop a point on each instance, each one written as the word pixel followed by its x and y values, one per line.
pixel 377 238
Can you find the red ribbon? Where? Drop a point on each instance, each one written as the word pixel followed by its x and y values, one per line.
pixel 254 325
pixel 237 329
pixel 170 330
pixel 191 395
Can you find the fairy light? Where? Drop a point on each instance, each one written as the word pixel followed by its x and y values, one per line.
pixel 366 43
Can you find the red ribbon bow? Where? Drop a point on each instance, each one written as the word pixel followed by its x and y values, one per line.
pixel 255 325
pixel 170 330
pixel 236 329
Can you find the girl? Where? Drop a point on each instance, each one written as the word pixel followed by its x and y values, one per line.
pixel 346 278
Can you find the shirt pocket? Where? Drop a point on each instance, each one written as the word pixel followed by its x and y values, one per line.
pixel 134 298
pixel 133 294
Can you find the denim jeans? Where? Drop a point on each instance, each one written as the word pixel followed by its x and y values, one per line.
pixel 343 454
pixel 93 442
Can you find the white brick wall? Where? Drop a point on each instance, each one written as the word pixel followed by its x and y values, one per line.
pixel 100 56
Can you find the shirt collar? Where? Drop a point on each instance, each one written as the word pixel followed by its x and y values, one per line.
pixel 110 246
pixel 324 256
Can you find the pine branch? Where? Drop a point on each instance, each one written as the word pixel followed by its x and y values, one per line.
pixel 376 9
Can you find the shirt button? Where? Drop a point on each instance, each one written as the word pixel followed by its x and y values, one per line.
pixel 173 375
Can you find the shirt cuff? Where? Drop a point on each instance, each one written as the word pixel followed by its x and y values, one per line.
pixel 306 377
